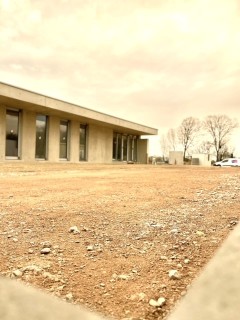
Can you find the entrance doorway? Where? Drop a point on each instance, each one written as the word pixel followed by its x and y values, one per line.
pixel 12 136
pixel 124 147
pixel 41 137
pixel 63 152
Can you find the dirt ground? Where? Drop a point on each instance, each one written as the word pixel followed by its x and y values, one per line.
pixel 131 225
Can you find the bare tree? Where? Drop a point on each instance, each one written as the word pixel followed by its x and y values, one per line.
pixel 172 139
pixel 220 128
pixel 164 146
pixel 187 132
pixel 204 147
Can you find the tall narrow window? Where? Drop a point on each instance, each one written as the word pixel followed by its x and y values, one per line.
pixel 114 147
pixel 41 137
pixel 12 124
pixel 119 147
pixel 124 144
pixel 130 148
pixel 83 143
pixel 63 154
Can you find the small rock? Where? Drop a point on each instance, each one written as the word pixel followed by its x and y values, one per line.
pixel 200 233
pixel 60 288
pixel 90 248
pixel 141 296
pixel 123 276
pixel 174 231
pixel 17 273
pixel 163 257
pixel 174 274
pixel 153 303
pixel 30 251
pixel 69 297
pixel 159 303
pixel 186 261
pixel 45 250
pixel 33 268
pixel 51 276
pixel 46 244
pixel 14 239
pixel 74 230
pixel 27 230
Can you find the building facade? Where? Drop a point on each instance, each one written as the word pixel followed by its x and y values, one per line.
pixel 35 127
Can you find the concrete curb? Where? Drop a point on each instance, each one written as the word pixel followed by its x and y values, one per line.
pixel 20 302
pixel 215 294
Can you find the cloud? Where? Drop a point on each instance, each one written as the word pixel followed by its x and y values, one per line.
pixel 153 62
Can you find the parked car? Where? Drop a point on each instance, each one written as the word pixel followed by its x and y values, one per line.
pixel 229 162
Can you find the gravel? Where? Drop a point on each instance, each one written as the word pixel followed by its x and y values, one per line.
pixel 110 236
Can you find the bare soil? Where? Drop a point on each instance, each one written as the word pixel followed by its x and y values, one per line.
pixel 135 222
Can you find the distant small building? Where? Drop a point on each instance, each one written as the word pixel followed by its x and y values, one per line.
pixel 176 157
pixel 203 159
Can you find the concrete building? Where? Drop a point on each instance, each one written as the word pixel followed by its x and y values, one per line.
pixel 176 157
pixel 37 127
pixel 203 159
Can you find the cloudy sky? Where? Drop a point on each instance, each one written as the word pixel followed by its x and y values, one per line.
pixel 155 62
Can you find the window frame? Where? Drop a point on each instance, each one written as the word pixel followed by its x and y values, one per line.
pixel 18 112
pixel 67 139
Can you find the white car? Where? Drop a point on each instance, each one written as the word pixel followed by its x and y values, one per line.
pixel 229 162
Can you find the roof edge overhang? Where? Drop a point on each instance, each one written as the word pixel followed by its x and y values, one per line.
pixel 13 96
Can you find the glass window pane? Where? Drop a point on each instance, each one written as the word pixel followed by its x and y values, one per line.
pixel 130 148
pixel 119 147
pixel 114 147
pixel 12 123
pixel 124 148
pixel 83 140
pixel 41 136
pixel 63 139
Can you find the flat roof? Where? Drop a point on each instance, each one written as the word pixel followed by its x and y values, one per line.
pixel 16 97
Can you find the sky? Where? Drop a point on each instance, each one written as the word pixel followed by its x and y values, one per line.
pixel 154 62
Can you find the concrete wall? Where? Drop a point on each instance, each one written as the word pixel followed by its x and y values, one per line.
pixel 74 141
pixel 100 141
pixel 21 302
pixel 27 134
pixel 204 158
pixel 142 151
pixel 2 132
pixel 176 157
pixel 53 139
